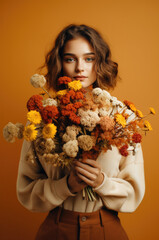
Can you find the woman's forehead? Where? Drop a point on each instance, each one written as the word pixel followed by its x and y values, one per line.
pixel 78 46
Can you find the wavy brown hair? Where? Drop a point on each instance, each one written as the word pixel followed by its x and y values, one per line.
pixel 107 70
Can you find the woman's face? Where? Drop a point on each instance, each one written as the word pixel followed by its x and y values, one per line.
pixel 79 61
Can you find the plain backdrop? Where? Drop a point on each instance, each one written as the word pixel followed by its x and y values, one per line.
pixel 28 29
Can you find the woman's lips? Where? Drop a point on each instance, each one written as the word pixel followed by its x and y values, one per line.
pixel 80 78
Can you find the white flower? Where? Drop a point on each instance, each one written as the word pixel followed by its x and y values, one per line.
pixel 49 102
pixel 71 148
pixel 116 102
pixel 97 91
pixel 89 118
pixel 37 80
pixel 107 94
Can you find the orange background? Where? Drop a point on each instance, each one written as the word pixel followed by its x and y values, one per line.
pixel 28 29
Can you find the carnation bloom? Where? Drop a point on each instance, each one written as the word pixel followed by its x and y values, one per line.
pixel 75 85
pixel 120 120
pixel 34 117
pixel 49 130
pixel 152 111
pixel 35 103
pixel 38 80
pixel 139 113
pixel 49 113
pixel 64 80
pixel 62 92
pixel 30 132
pixel 136 137
pixel 147 125
pixel 123 150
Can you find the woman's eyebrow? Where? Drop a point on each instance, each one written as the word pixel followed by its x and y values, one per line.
pixel 72 54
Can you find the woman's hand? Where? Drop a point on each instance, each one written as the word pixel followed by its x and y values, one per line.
pixel 89 171
pixel 75 184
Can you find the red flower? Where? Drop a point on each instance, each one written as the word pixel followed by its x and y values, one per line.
pixel 79 95
pixel 65 99
pixel 72 94
pixel 64 80
pixel 49 113
pixel 74 118
pixel 35 103
pixel 77 105
pixel 123 150
pixel 70 107
pixel 136 137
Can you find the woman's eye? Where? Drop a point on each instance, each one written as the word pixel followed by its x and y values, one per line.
pixel 89 59
pixel 69 59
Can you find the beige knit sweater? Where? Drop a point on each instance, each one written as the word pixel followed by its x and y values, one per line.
pixel 42 187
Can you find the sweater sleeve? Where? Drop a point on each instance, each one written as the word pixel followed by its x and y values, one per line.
pixel 124 191
pixel 35 190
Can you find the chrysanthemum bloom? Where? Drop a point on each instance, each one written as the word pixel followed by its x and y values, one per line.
pixel 64 80
pixel 37 80
pixel 71 148
pixel 30 132
pixel 34 117
pixel 49 130
pixel 10 131
pixel 136 137
pixel 147 125
pixel 152 111
pixel 75 85
pixel 139 113
pixel 120 120
pixel 43 145
pixel 62 92
pixel 49 102
pixel 49 113
pixel 123 150
pixel 35 103
pixel 86 142
pixel 106 123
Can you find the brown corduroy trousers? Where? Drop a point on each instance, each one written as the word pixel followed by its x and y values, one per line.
pixel 63 224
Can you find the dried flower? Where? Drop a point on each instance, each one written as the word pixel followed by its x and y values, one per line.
pixel 64 80
pixel 71 148
pixel 49 102
pixel 37 80
pixel 130 105
pixel 89 118
pixel 86 142
pixel 20 127
pixel 106 123
pixel 49 113
pixel 152 111
pixel 35 103
pixel 136 137
pixel 34 117
pixel 43 145
pixel 147 125
pixel 139 114
pixel 49 130
pixel 10 131
pixel 75 85
pixel 30 132
pixel 123 150
pixel 120 120
pixel 61 92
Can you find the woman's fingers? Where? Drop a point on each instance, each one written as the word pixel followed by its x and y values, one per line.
pixel 94 168
pixel 86 173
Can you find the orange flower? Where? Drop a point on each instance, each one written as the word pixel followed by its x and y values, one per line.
pixel 130 105
pixel 139 113
pixel 64 80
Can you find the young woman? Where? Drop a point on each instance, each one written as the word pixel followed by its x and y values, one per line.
pixel 81 53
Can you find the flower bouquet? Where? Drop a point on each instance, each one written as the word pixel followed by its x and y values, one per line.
pixel 78 123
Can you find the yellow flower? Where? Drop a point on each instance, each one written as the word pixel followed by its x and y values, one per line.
pixel 132 107
pixel 152 111
pixel 120 119
pixel 75 85
pixel 34 117
pixel 139 113
pixel 61 92
pixel 49 130
pixel 30 132
pixel 147 125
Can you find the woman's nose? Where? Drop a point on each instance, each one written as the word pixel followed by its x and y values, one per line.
pixel 79 66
